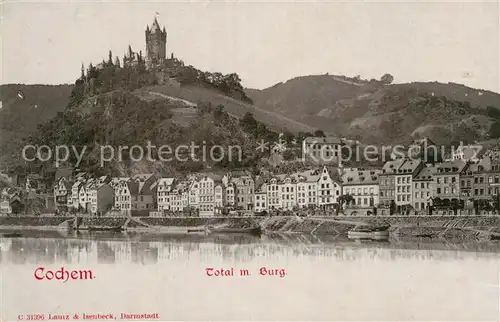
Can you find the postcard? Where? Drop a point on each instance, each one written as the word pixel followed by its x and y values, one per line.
pixel 250 161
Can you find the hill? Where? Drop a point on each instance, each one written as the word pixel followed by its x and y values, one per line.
pixel 373 112
pixel 23 108
pixel 111 107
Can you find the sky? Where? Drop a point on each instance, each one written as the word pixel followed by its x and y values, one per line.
pixel 45 42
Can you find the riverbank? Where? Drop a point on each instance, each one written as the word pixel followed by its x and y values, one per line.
pixel 430 227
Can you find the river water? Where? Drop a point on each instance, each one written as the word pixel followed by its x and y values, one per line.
pixel 326 279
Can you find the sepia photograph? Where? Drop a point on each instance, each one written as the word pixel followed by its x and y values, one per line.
pixel 249 160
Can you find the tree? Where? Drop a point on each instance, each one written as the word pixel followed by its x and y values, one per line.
pixel 319 133
pixel 387 79
pixel 110 58
pixel 495 130
pixel 288 155
pixel 347 199
pixel 117 62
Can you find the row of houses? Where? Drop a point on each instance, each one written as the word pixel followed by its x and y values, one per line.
pixel 416 184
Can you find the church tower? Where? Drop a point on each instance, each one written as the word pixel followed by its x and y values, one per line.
pixel 156 44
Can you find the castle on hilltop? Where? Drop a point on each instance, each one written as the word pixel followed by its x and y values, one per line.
pixel 156 45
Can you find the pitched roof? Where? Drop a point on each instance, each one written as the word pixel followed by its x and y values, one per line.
pixel 63 173
pixel 360 176
pixel 308 175
pixel 391 167
pixel 426 173
pixel 133 187
pixel 455 166
pixel 409 166
pixel 334 173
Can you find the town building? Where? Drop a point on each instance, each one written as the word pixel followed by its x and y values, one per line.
pixel 329 187
pixel 387 182
pixel 244 191
pixel 206 193
pixel 123 188
pixel 164 188
pixel 322 150
pixel 260 200
pixel 144 194
pixel 469 152
pixel 62 194
pixel 273 194
pixel 219 197
pixel 362 185
pixel 404 182
pixel 307 188
pixel 423 188
pixel 446 180
pixel 288 191
pixel 102 198
pixel 10 202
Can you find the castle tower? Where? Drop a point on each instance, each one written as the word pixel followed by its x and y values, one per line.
pixel 156 44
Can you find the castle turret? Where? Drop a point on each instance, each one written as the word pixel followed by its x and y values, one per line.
pixel 156 44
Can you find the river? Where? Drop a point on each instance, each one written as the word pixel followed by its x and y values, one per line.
pixel 325 279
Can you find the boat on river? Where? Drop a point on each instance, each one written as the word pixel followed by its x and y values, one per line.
pixel 369 232
pixel 13 235
pixel 253 230
pixel 111 229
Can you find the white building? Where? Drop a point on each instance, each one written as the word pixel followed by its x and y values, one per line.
pixel 404 181
pixel 307 188
pixel 206 192
pixel 362 185
pixel 288 192
pixel 322 150
pixel 219 197
pixel 123 199
pixel 273 194
pixel 329 188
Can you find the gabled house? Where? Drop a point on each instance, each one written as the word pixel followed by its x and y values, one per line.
pixel 10 202
pixel 164 187
pixel 62 193
pixel 144 193
pixel 101 196
pixel 230 192
pixel 123 196
pixel 329 187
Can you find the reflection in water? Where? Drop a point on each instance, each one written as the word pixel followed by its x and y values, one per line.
pixel 326 278
pixel 148 249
